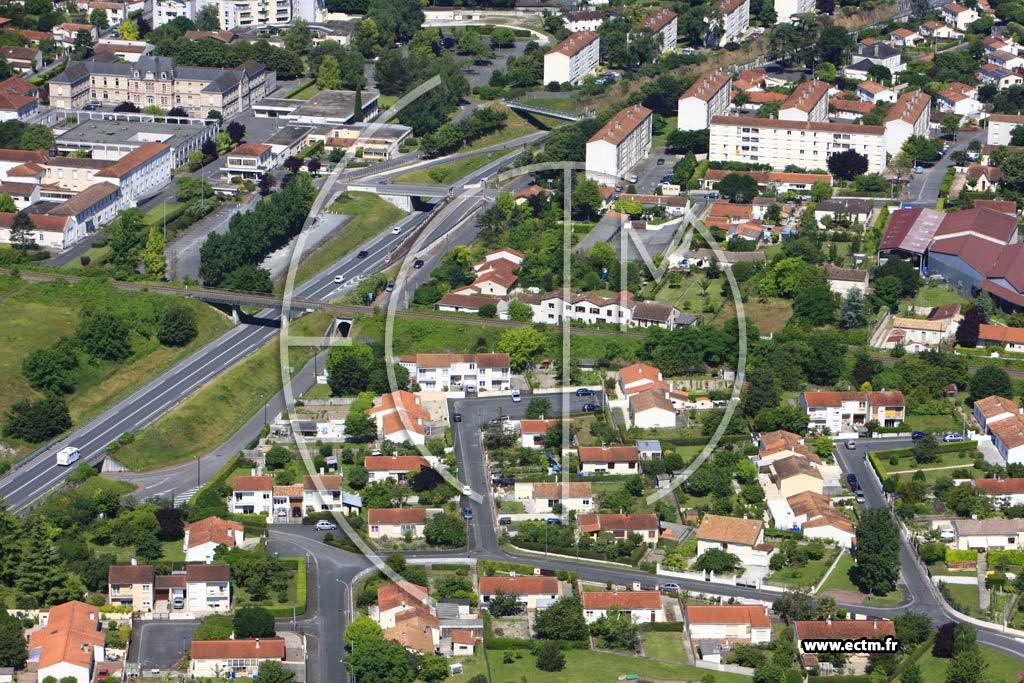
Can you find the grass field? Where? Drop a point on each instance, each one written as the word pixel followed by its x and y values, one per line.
pixel 173 551
pixel 964 597
pixel 431 336
pixel 1002 668
pixel 582 666
pixel 370 216
pixel 839 579
pixel 667 646
pixel 199 424
pixel 769 317
pixel 936 295
pixel 308 93
pixel 806 576
pixel 36 315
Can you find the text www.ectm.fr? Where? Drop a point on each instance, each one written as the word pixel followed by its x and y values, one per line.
pixel 856 645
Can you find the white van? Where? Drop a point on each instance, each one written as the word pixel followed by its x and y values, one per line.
pixel 66 456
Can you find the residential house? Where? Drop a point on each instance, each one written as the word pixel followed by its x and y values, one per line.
pixel 728 624
pixel 639 377
pixel 620 526
pixel 131 585
pixel 984 178
pixel 586 20
pixel 999 128
pixel 495 275
pixel 1008 438
pixel 249 161
pixel 1010 339
pixel 1006 60
pixel 400 418
pixel 986 534
pixel 613 151
pixel 870 91
pixel 903 37
pixel 540 498
pixel 649 449
pixel 322 493
pixel 939 31
pixel 654 314
pixel 202 538
pixel 252 495
pixel 959 99
pixel 573 59
pixel 68 643
pixel 643 607
pixel 993 409
pixel 23 60
pixel 65 34
pixel 663 24
pixel 528 589
pixel 842 280
pixel 453 302
pixel 840 411
pixel 532 432
pixel 395 598
pixel 877 52
pixel 840 630
pixel 397 467
pixel 396 523
pixel 652 409
pixel 958 16
pixel 847 209
pixel 787 477
pixel 992 74
pixel 1002 492
pixel 240 658
pixel 777 181
pixel 916 335
pixel 458 371
pixel 591 309
pixel 814 514
pixel 743 538
pixel 609 459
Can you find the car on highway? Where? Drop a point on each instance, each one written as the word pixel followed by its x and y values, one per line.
pixel 670 587
pixel 951 437
pixel 456 417
pixel 589 407
pixel 362 253
pixel 387 258
pixel 851 445
pixel 467 512
pixel 338 279
pixel 396 230
pixel 467 490
pixel 917 435
pixel 583 391
pixel 325 525
pixel 417 264
pixel 516 396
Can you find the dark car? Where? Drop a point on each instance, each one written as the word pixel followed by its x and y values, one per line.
pixel 583 391
pixel 467 512
pixel 417 264
pixel 390 287
pixel 661 162
pixel 589 407
pixel 362 253
pixel 504 520
pixel 554 520
pixel 456 417
pixel 92 106
pixel 917 435
pixel 851 479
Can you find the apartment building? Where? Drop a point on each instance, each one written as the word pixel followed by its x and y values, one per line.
pixel 708 97
pixel 735 19
pixel 808 102
pixel 841 411
pixel 615 149
pixel 131 585
pixel 573 58
pixel 140 173
pixel 244 14
pixel 240 658
pixel 786 10
pixel 460 371
pixel 161 82
pixel 663 24
pixel 68 644
pixel 249 161
pixel 999 128
pixel 807 144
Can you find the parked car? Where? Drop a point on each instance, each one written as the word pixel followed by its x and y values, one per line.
pixel 589 407
pixel 917 435
pixel 583 391
pixel 851 445
pixel 851 479
pixel 178 603
pixel 504 521
pixel 456 417
pixel 670 587
pixel 467 512
pixel 950 438
pixel 326 525
pixel 712 195
pixel 390 287
pixel 516 396
pixel 417 264
pixel 362 253
pixel 661 162
pixel 554 520
pixel 860 495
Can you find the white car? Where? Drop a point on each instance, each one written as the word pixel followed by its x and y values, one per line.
pixel 324 525
pixel 516 396
pixel 396 230
pixel 467 490
pixel 339 279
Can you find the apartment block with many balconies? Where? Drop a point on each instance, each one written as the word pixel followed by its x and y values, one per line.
pixel 615 149
pixel 572 59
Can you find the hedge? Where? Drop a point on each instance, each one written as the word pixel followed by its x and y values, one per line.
pixel 569 552
pixel 300 590
pixel 955 447
pixel 211 497
pixel 663 627
pixel 839 679
pixel 498 566
pixel 1005 557
pixel 953 555
pixel 784 533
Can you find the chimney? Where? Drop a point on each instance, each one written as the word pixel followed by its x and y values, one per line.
pixel 321 471
pixel 257 643
pixel 135 562
pixel 874 625
pixel 828 621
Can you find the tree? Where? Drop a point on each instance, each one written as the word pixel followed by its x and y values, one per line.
pixel 360 427
pixel 129 30
pixel 298 38
pixel 504 604
pixel 912 628
pixel 586 199
pixel 348 368
pixel 969 329
pixel 178 325
pixel 207 19
pixel 328 76
pixel 153 254
pixel 901 165
pixel 488 311
pixel 13 647
pixel 847 165
pixel 950 124
pixel 358 476
pixel 148 548
pixel 523 344
pixel 851 312
pixel 563 620
pixel 50 369
pixel 35 421
pixel 39 572
pixel 762 392
pixel 361 629
pixel 253 622
pixel 717 561
pixel 105 336
pixel 922 148
pixel 925 450
pixel 520 311
pixel 446 530
pixel 98 17
pixel 815 306
pixel 83 46
pixel 503 36
pixel 433 668
pixel 215 627
pixel 820 191
pixel 616 629
pixel 912 674
pixel 379 660
pixel 826 71
pixel 550 657
pixel 1017 136
pixel 834 45
pixel 271 671
pixel 990 381
pixel 878 552
pixel 968 664
pixel 740 188
pixel 7 203
pixel 795 605
pixel 21 231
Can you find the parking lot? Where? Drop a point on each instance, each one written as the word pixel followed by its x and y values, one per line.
pixel 160 644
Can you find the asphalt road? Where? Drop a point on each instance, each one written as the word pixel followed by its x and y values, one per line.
pixel 923 189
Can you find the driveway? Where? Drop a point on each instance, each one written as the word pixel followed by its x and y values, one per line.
pixel 161 644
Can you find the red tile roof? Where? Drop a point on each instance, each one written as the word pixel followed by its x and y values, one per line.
pixel 400 594
pixel 133 160
pixel 249 648
pixel 70 634
pixel 130 573
pixel 575 43
pixel 626 600
pixel 520 585
pixel 250 149
pixel 705 87
pixel 1000 487
pixel 633 522
pixel 391 463
pixel 396 515
pixel 609 454
pixel 729 530
pixel 843 629
pixel 250 483
pixel 806 95
pixel 1001 334
pixel 556 491
pixel 658 21
pixel 213 530
pixel 622 124
pixel 754 615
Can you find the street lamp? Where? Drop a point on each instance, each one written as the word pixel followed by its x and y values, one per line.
pixel 262 397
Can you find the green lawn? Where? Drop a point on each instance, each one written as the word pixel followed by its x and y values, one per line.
pixel 173 551
pixel 667 646
pixel 386 101
pixel 370 216
pixel 839 579
pixel 430 336
pixel 38 314
pixel 659 140
pixel 806 576
pixel 769 316
pixel 242 596
pixel 582 666
pixel 199 424
pixel 932 423
pixel 1002 667
pixel 964 597
pixel 318 391
pixel 937 295
pixel 307 94
pixel 454 171
pixel 908 465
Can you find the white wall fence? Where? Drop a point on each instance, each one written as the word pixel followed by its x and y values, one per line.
pixel 730 668
pixel 725 580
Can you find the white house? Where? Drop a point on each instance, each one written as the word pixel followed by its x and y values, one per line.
pixel 609 459
pixel 959 99
pixel 652 409
pixel 638 377
pixel 573 59
pixel 939 31
pixel 993 409
pixel 1008 438
pixel 532 432
pixel 584 20
pixel 869 91
pixel 396 523
pixel 839 411
pixel 459 371
pixel 208 587
pixel 615 149
pixel 1008 338
pixel 902 37
pixel 400 418
pixel 68 643
pixel 643 607
pixel 959 16
pixel 252 495
pixel 202 538
pixel 1002 492
pixel 322 493
pixel 985 534
pixel 397 467
pixel 528 589
pixel 732 535
pixel 539 498
pixel 729 623
pixel 238 658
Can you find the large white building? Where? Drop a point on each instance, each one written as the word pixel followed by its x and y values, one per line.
pixel 735 19
pixel 663 24
pixel 909 116
pixel 1000 126
pixel 841 411
pixel 708 97
pixel 787 9
pixel 241 13
pixel 457 371
pixel 808 102
pixel 807 144
pixel 615 149
pixel 573 58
